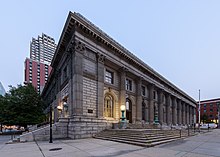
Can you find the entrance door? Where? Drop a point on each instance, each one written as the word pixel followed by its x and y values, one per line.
pixel 129 110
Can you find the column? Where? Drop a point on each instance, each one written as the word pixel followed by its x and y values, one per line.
pixel 187 113
pixel 194 115
pixel 139 101
pixel 160 106
pixel 190 113
pixel 174 111
pixel 146 111
pixel 168 109
pixel 100 79
pixel 179 112
pixel 151 103
pixel 184 113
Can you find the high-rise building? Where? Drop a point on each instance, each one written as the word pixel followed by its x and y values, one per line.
pixel 37 67
pixel 2 90
pixel 42 49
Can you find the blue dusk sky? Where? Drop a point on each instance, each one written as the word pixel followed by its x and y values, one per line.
pixel 180 39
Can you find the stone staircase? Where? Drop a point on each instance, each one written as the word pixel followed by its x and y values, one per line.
pixel 142 137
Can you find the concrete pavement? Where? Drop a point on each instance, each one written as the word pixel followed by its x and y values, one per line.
pixel 203 145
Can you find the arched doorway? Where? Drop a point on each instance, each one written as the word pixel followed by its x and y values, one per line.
pixel 129 110
pixel 108 106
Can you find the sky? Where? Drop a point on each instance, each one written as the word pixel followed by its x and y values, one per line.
pixel 179 39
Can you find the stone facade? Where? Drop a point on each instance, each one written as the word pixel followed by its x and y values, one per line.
pixel 93 76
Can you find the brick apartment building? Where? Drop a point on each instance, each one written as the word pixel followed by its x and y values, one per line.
pixel 37 67
pixel 209 110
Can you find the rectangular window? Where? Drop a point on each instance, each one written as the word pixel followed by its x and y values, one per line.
pixel 143 90
pixel 211 110
pixel 109 76
pixel 154 94
pixel 128 84
pixel 204 110
pixel 64 73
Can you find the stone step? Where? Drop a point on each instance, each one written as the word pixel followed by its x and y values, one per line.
pixel 139 136
pixel 127 142
pixel 139 143
pixel 142 139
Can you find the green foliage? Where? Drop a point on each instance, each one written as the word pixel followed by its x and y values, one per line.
pixel 204 118
pixel 21 106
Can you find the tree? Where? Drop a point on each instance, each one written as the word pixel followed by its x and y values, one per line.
pixel 204 118
pixel 2 109
pixel 23 106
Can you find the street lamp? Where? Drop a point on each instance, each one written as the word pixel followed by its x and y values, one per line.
pixel 122 113
pixel 199 110
pixel 51 131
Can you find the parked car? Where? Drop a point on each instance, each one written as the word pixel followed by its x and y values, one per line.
pixel 209 125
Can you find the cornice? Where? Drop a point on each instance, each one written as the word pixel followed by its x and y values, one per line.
pixel 77 20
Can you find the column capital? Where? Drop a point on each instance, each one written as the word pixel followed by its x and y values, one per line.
pixel 100 57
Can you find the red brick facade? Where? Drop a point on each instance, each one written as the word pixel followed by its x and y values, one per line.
pixel 208 110
pixel 36 73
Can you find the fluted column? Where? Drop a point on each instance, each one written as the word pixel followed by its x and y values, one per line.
pixel 160 106
pixel 187 113
pixel 179 112
pixel 168 109
pixel 184 113
pixel 139 102
pixel 190 115
pixel 194 115
pixel 174 111
pixel 151 103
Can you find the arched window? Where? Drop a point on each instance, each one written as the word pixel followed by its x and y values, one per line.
pixel 108 106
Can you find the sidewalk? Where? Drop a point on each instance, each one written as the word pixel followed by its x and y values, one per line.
pixel 203 145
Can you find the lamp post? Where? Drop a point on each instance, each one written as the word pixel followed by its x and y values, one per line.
pixel 122 113
pixel 122 116
pixel 51 131
pixel 199 110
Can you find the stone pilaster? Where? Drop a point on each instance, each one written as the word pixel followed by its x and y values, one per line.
pixel 160 106
pixel 139 101
pixel 122 99
pixel 168 113
pixel 151 103
pixel 77 80
pixel 179 112
pixel 174 111
pixel 100 75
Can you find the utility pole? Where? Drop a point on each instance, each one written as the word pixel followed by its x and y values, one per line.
pixel 199 110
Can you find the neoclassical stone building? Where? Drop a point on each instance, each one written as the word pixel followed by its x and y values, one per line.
pixel 93 76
